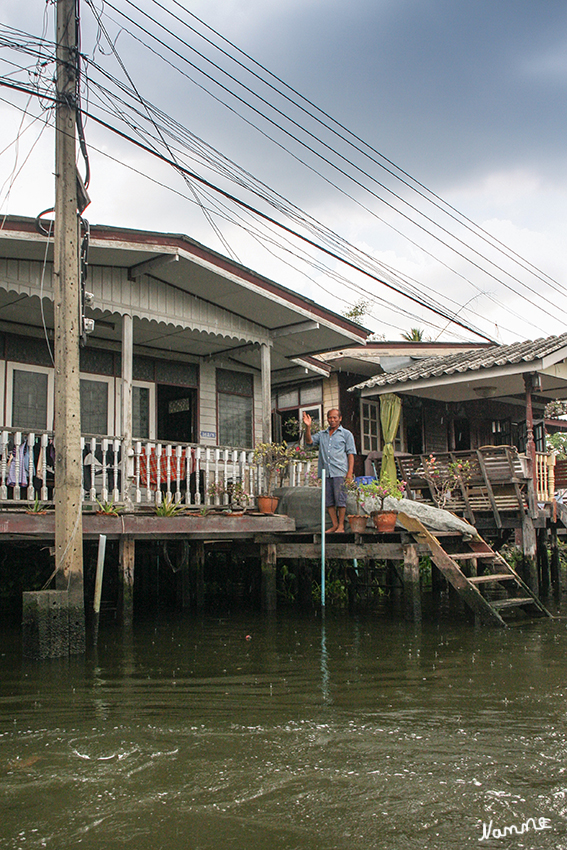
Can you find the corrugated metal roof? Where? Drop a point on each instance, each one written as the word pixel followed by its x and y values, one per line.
pixel 469 361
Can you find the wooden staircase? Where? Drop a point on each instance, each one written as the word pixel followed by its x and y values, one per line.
pixel 491 589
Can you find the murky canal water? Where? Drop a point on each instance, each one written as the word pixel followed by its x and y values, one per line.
pixel 365 732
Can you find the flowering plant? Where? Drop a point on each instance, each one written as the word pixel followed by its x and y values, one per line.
pixel 376 492
pixel 300 453
pixel 357 489
pixel 216 490
pixel 443 479
pixel 274 459
pixel 238 495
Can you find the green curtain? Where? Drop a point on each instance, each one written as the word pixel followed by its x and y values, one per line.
pixel 390 409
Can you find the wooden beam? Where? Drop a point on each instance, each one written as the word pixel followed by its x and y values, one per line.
pixel 150 266
pixel 345 551
pixel 489 489
pixel 300 327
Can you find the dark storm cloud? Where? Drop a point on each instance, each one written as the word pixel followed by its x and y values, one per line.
pixel 440 87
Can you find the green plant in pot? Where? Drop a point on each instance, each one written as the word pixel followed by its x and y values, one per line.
pixel 375 494
pixel 169 508
pixel 273 459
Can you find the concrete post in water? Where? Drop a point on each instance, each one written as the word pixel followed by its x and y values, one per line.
pixel 68 319
pixel 268 555
pixel 126 578
pixel 45 624
pixel 411 583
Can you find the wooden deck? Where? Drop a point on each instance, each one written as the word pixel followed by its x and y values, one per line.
pixel 145 526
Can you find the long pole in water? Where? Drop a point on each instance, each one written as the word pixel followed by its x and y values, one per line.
pixel 323 539
pixel 98 582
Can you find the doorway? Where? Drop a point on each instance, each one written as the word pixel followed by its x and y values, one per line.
pixel 176 413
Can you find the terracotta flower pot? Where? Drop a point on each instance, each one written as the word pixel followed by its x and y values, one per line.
pixel 385 521
pixel 267 504
pixel 357 522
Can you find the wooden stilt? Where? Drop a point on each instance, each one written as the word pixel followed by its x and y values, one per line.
pixel 198 572
pixel 529 547
pixel 411 583
pixel 304 579
pixel 543 562
pixel 436 580
pixel 555 580
pixel 268 565
pixel 183 588
pixel 126 575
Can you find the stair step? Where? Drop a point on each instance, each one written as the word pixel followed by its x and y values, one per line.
pixel 492 577
pixel 513 603
pixel 468 556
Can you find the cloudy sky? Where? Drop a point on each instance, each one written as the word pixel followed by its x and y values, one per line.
pixel 467 99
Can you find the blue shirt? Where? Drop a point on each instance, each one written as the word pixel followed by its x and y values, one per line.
pixel 334 450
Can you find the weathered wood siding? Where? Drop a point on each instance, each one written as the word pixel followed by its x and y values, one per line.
pixel 145 298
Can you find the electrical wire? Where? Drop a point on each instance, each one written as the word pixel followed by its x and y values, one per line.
pixel 420 301
pixel 305 220
pixel 301 218
pixel 426 193
pixel 329 148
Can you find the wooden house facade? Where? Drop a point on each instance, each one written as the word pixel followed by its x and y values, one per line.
pixel 178 372
pixel 467 403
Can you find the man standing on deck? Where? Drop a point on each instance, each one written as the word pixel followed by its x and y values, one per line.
pixel 336 457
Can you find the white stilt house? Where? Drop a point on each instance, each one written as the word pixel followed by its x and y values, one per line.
pixel 176 378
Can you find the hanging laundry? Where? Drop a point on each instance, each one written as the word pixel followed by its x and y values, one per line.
pixel 22 452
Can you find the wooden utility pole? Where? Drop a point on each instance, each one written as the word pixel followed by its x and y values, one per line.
pixel 68 318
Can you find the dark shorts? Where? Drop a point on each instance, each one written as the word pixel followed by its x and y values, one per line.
pixel 335 493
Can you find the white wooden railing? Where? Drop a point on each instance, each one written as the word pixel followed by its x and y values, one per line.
pixel 545 469
pixel 146 473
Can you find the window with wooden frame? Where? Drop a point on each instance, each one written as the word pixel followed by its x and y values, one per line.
pixel 29 397
pixel 235 408
pixel 369 426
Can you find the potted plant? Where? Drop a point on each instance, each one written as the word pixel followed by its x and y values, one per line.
pixel 238 497
pixel 169 508
pixel 374 495
pixel 215 492
pixel 358 520
pixel 273 459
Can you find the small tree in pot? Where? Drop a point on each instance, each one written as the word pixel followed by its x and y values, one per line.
pixel 273 459
pixel 375 494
